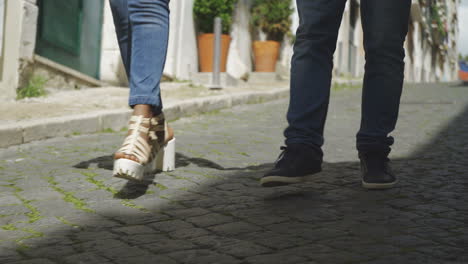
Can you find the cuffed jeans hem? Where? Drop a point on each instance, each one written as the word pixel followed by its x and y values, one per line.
pixel 313 146
pixel 155 103
pixel 376 144
pixel 302 141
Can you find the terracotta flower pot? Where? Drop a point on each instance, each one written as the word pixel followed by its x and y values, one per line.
pixel 266 55
pixel 206 50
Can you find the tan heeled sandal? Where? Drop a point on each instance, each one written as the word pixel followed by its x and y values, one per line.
pixel 155 154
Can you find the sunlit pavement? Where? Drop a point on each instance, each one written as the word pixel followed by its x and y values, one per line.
pixel 59 203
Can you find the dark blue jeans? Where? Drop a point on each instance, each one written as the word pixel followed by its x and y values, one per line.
pixel 142 28
pixel 385 25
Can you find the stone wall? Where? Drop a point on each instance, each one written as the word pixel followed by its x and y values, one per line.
pixel 28 40
pixel 421 64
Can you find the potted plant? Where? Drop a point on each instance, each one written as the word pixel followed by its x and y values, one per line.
pixel 273 18
pixel 205 11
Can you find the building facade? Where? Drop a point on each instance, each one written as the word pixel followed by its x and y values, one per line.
pixel 80 35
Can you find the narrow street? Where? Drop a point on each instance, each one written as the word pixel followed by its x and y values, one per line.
pixel 59 203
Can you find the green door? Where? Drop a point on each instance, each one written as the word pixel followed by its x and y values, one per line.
pixel 69 33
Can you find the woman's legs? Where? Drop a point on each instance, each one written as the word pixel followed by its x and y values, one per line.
pixel 149 24
pixel 142 28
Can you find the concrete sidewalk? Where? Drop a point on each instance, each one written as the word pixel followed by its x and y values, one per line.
pixel 91 110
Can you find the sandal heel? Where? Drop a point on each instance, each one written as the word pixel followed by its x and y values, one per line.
pixel 165 159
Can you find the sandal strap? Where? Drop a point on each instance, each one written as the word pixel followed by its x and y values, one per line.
pixel 135 145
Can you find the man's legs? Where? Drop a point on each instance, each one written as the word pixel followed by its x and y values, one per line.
pixel 385 25
pixel 311 72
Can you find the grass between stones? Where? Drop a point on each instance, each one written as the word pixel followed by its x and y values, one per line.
pixel 345 86
pixel 65 222
pixel 91 178
pixel 68 196
pixel 33 216
pixel 161 187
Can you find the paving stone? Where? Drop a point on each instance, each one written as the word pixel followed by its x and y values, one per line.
pixel 234 228
pixel 123 251
pixel 189 233
pixel 231 246
pixel 147 258
pixel 84 258
pixel 408 241
pixel 8 255
pixel 34 261
pixel 51 252
pixel 137 217
pixel 444 253
pixel 142 239
pixel 102 244
pixel 274 240
pixel 243 249
pixel 92 235
pixel 275 258
pixel 412 257
pixel 9 200
pixel 164 245
pixel 210 220
pixel 184 213
pixel 170 225
pixel 134 230
pixel 202 256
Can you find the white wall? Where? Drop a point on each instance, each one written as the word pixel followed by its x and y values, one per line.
pixel 240 52
pixel 112 69
pixel 463 22
pixel 2 17
pixel 182 58
pixel 12 42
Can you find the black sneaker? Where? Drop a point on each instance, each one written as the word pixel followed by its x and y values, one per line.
pixel 294 165
pixel 376 171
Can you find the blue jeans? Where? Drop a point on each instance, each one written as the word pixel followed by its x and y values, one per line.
pixel 142 28
pixel 385 25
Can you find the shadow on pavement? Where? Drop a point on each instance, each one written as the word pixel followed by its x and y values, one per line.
pixel 106 162
pixel 133 190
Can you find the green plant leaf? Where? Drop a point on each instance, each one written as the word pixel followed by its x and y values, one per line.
pixel 35 88
pixel 205 11
pixel 273 17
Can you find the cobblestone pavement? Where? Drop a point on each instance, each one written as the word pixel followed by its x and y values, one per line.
pixel 59 203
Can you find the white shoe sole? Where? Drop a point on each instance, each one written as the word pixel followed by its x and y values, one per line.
pixel 378 186
pixel 132 170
